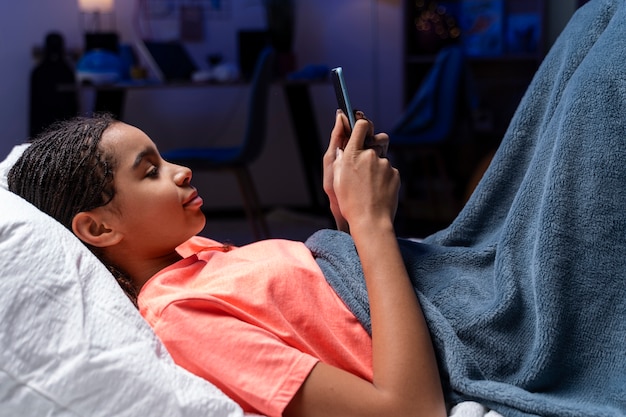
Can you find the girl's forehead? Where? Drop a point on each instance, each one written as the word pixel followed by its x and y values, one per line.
pixel 121 138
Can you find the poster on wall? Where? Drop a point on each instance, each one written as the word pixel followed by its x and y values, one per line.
pixel 191 23
pixel 164 9
pixel 482 27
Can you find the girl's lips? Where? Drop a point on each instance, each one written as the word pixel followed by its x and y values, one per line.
pixel 194 200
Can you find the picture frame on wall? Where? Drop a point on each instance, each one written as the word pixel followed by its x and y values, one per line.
pixel 483 27
pixel 191 23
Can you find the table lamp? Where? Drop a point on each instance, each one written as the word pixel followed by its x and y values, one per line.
pixel 100 62
pixel 95 9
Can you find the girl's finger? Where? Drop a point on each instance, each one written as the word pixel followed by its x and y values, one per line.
pixel 338 136
pixel 360 132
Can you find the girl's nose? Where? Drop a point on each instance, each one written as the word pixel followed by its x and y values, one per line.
pixel 182 175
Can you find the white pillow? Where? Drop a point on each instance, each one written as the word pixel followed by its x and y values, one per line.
pixel 6 165
pixel 71 343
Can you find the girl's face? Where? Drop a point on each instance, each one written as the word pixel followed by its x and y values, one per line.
pixel 155 207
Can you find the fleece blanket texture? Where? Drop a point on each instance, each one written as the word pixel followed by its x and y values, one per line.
pixel 525 292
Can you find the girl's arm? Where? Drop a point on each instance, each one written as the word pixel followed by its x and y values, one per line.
pixel 406 380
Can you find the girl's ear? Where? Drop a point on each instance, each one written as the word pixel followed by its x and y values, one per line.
pixel 90 228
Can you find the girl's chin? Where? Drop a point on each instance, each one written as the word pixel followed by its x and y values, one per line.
pixel 201 225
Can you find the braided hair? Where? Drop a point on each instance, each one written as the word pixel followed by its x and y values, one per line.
pixel 64 172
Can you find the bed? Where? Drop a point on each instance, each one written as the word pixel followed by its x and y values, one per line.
pixel 72 344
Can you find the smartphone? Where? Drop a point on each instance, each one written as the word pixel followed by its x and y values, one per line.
pixel 343 100
pixel 341 92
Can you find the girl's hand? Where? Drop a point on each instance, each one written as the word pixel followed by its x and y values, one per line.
pixel 338 140
pixel 366 186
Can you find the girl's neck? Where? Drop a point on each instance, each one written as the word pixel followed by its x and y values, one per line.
pixel 140 269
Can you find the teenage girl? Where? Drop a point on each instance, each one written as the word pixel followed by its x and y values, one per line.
pixel 258 321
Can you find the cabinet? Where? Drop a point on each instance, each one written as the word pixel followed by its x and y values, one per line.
pixel 504 41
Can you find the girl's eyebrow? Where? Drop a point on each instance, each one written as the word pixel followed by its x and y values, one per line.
pixel 141 155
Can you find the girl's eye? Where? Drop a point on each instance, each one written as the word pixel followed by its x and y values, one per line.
pixel 153 172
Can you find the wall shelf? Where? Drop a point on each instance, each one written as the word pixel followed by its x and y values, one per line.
pixel 502 77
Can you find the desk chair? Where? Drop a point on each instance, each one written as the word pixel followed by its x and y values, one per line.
pixel 237 159
pixel 434 134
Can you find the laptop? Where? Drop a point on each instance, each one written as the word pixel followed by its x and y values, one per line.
pixel 169 61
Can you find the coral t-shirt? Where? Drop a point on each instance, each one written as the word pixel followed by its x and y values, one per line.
pixel 253 320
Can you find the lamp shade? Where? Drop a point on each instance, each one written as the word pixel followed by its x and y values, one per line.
pixel 91 6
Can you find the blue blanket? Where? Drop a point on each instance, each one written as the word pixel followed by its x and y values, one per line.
pixel 525 292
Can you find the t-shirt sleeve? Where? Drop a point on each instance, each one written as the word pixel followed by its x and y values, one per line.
pixel 251 365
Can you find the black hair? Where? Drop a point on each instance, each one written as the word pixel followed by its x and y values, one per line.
pixel 64 171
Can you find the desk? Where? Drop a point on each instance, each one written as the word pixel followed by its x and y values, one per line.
pixel 111 98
